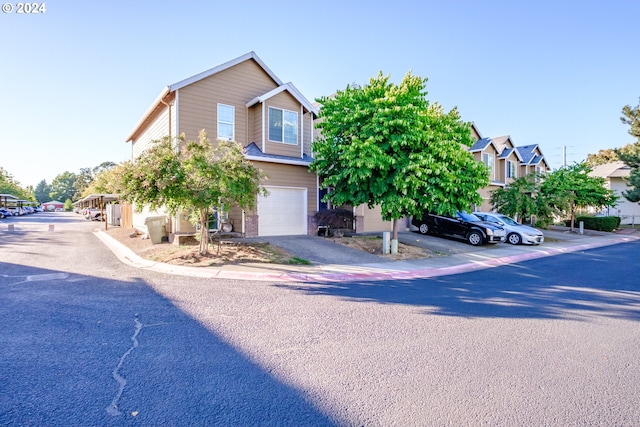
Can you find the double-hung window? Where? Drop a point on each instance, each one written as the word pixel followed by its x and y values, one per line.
pixel 226 119
pixel 283 126
pixel 511 169
pixel 488 160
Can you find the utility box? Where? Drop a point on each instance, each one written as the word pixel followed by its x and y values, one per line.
pixel 155 228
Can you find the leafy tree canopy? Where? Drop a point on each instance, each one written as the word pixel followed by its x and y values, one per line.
pixel 42 192
pixel 571 187
pixel 521 199
pixel 63 186
pixel 106 181
pixel 631 117
pixel 631 156
pixel 199 177
pixel 383 144
pixel 8 185
pixel 608 155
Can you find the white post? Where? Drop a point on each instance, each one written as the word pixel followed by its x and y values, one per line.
pixel 581 227
pixel 385 242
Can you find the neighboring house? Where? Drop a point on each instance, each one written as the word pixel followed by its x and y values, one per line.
pixel 505 161
pixel 616 176
pixel 532 160
pixel 244 101
pixel 485 150
pixel 52 205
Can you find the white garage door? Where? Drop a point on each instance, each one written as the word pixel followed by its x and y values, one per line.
pixel 283 212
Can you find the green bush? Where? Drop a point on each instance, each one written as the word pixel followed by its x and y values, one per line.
pixel 599 223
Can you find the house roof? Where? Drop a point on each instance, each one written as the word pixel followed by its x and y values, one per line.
pixel 168 90
pixel 289 87
pixel 501 140
pixel 476 130
pixel 528 154
pixel 253 152
pixel 482 144
pixel 611 170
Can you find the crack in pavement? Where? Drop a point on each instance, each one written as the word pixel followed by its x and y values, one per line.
pixel 112 409
pixel 36 277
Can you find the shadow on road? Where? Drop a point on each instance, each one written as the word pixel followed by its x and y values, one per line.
pixel 82 350
pixel 598 282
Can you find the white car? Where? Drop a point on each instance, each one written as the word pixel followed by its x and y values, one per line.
pixel 516 233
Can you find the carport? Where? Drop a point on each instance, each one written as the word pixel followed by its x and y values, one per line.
pixel 5 198
pixel 97 201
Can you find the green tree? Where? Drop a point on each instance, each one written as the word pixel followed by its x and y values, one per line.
pixel 383 144
pixel 608 155
pixel 63 186
pixel 631 158
pixel 107 180
pixel 521 199
pixel 8 185
pixel 83 179
pixel 568 188
pixel 42 191
pixel 104 166
pixel 199 177
pixel 631 117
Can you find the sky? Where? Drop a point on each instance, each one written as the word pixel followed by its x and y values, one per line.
pixel 78 77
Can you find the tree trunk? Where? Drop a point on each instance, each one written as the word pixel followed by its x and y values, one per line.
pixel 394 247
pixel 204 232
pixel 572 218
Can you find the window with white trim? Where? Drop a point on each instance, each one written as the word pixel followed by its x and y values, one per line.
pixel 283 126
pixel 511 169
pixel 226 121
pixel 488 160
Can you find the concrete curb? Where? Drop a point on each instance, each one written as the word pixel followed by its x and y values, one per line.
pixel 349 273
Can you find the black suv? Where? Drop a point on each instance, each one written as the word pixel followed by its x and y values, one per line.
pixel 464 225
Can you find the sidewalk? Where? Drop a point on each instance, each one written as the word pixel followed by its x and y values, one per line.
pixel 558 241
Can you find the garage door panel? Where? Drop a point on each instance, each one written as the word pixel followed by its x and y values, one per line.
pixel 282 212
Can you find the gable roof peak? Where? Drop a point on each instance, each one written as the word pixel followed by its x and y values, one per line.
pixel 210 72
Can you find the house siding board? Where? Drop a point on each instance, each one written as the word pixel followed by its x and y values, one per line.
pixel 156 129
pixel 234 86
pixel 371 219
pixel 307 134
pixel 255 125
pixel 285 101
pixel 280 175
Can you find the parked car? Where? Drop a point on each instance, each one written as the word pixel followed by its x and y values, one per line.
pixel 4 213
pixel 92 214
pixel 516 233
pixel 463 226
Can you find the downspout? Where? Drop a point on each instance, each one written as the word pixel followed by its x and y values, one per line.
pixel 169 107
pixel 301 131
pixel 263 126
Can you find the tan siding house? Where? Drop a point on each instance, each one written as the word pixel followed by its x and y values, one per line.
pixel 616 176
pixel 507 162
pixel 243 100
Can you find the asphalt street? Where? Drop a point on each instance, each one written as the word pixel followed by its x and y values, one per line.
pixel 87 340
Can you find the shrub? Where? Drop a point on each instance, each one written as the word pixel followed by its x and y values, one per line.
pixel 599 223
pixel 335 218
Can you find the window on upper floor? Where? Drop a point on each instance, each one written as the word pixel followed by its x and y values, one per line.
pixel 283 126
pixel 226 121
pixel 511 169
pixel 488 160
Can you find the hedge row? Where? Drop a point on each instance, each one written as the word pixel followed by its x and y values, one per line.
pixel 599 223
